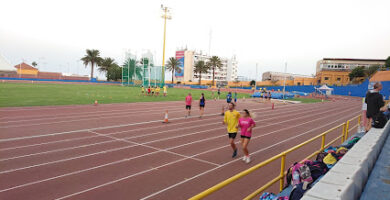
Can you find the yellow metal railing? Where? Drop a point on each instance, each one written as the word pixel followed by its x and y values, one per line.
pixel 342 137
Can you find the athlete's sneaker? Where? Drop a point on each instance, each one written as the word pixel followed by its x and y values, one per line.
pixel 244 158
pixel 234 153
pixel 247 160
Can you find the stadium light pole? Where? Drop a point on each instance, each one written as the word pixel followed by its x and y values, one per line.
pixel 284 82
pixel 256 78
pixel 166 15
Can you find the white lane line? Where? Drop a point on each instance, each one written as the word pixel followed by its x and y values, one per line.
pixel 154 148
pixel 99 113
pixel 145 135
pixel 92 114
pixel 99 128
pixel 56 107
pixel 113 116
pixel 80 138
pixel 213 169
pixel 128 159
pixel 230 162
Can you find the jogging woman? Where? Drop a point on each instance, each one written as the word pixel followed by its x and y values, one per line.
pixel 246 124
pixel 202 103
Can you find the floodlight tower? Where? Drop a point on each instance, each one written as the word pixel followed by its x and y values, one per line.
pixel 166 15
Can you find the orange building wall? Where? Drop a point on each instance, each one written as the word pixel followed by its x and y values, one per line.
pixel 333 77
pixel 27 71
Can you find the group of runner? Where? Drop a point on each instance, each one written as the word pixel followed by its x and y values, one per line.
pixel 153 91
pixel 233 121
pixel 202 104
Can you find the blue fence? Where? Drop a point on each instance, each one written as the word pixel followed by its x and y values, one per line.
pixel 58 80
pixel 355 90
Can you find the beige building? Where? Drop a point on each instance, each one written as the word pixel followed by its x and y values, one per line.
pixel 335 71
pixel 228 71
pixel 346 64
pixel 279 76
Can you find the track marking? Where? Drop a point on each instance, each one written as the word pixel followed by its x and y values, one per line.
pixel 144 135
pixel 83 115
pixel 213 169
pixel 228 163
pixel 158 149
pixel 128 159
pixel 100 128
pixel 72 139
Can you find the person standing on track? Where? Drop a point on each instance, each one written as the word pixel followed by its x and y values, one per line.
pixel 219 92
pixel 188 104
pixel 202 103
pixel 246 124
pixel 231 121
pixel 149 90
pixel 165 90
pixel 235 97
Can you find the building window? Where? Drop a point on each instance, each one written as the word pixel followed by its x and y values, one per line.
pixel 338 79
pixel 326 78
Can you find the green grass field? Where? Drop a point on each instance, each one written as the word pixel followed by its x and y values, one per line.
pixel 306 100
pixel 27 94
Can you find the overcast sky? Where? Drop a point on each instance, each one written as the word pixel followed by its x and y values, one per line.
pixel 56 33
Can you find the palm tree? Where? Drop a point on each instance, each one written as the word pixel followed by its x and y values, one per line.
pixel 201 67
pixel 173 65
pixel 135 70
pixel 106 64
pixel 92 57
pixel 213 63
pixel 34 64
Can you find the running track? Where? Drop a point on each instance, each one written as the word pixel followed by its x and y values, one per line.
pixel 123 151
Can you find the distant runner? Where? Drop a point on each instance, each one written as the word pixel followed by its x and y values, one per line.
pixel 202 103
pixel 188 104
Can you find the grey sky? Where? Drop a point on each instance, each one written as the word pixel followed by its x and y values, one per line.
pixel 56 33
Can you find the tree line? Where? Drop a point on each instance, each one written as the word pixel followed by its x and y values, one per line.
pixel 200 67
pixel 367 72
pixel 114 72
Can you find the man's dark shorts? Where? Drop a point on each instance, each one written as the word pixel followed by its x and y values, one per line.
pixel 232 135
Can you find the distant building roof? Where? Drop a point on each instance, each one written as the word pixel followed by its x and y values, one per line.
pixel 381 76
pixel 287 74
pixel 25 66
pixel 355 59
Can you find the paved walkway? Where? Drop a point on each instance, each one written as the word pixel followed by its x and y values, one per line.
pixel 378 184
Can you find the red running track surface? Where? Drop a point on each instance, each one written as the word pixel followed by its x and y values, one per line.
pixel 123 151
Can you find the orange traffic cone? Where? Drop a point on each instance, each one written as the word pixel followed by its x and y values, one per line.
pixel 223 111
pixel 166 117
pixel 96 103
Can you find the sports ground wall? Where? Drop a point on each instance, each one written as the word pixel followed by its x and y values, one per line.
pixel 356 90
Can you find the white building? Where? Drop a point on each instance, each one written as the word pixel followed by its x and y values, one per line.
pixel 346 64
pixel 228 71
